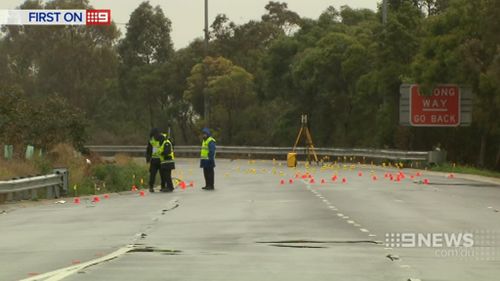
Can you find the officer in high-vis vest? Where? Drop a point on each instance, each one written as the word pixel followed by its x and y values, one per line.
pixel 153 157
pixel 167 163
pixel 207 161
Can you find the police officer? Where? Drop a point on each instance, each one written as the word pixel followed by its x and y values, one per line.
pixel 153 157
pixel 167 164
pixel 207 161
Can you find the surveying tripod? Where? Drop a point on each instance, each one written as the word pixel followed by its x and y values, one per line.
pixel 305 133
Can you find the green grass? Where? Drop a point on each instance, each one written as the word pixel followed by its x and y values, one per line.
pixel 450 168
pixel 107 178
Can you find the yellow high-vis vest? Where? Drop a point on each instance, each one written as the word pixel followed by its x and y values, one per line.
pixel 169 158
pixel 156 148
pixel 204 148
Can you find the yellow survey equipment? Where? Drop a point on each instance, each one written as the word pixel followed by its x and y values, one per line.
pixel 304 133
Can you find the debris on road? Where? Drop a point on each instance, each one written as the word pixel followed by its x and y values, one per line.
pixel 392 257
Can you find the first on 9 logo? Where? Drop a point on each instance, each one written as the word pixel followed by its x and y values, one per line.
pixel 98 17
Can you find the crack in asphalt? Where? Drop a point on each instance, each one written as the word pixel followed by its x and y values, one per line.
pixel 321 242
pixel 170 209
pixel 155 250
pixel 465 184
pixel 392 257
pixel 297 246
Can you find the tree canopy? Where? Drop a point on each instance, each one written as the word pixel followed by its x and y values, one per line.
pixel 343 69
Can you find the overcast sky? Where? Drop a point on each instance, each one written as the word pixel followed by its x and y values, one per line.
pixel 187 15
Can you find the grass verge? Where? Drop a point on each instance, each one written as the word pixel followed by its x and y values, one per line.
pixel 87 175
pixel 451 168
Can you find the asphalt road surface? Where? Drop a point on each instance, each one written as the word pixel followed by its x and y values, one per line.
pixel 253 227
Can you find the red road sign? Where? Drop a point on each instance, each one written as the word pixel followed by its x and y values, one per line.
pixel 440 109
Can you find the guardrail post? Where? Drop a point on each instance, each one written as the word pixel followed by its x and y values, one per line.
pixel 64 182
pixel 50 193
pixel 437 157
pixel 27 194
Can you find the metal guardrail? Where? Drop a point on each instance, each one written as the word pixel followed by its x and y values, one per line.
pixel 385 154
pixel 27 188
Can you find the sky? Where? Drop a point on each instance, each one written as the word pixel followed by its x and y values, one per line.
pixel 187 16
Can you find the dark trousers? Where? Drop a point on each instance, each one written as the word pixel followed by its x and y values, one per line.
pixel 166 171
pixel 155 167
pixel 209 176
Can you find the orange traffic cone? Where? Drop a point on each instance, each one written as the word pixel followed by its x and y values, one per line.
pixel 183 185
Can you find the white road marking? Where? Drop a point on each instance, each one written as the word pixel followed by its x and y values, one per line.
pixel 62 273
pixel 363 230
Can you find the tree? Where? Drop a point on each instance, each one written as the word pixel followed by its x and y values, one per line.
pixel 175 108
pixel 147 40
pixel 146 47
pixel 462 47
pixel 57 59
pixel 43 125
pixel 279 15
pixel 230 90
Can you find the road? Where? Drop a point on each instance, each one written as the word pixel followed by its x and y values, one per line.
pixel 253 227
